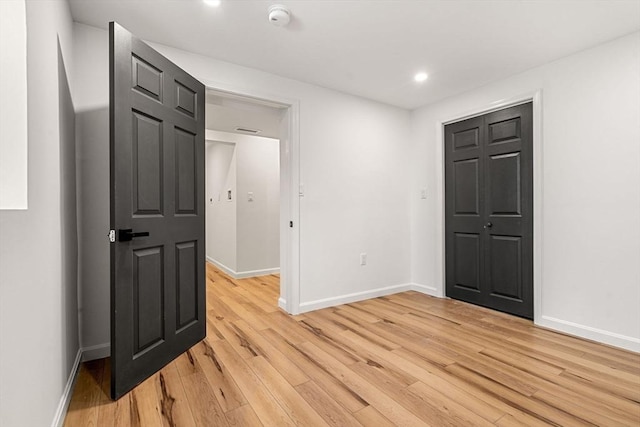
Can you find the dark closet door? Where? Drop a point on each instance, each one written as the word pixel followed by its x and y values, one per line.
pixel 489 210
pixel 157 207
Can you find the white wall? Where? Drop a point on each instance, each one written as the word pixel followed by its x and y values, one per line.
pixel 353 157
pixel 91 98
pixel 221 169
pixel 13 105
pixel 591 188
pixel 38 323
pixel 243 237
pixel 259 219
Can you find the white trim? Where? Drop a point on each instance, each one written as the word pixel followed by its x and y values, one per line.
pixel 536 98
pixel 424 289
pixel 98 351
pixel 587 332
pixel 243 274
pixel 65 399
pixel 257 273
pixel 221 266
pixel 289 184
pixel 282 303
pixel 354 297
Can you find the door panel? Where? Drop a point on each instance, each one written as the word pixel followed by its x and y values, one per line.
pixel 186 188
pixel 469 138
pixel 467 261
pixel 504 131
pixel 466 181
pixel 157 187
pixel 186 284
pixel 504 184
pixel 505 273
pixel 147 162
pixel 489 201
pixel 464 204
pixel 148 298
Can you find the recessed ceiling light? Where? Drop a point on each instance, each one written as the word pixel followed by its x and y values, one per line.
pixel 420 77
pixel 212 3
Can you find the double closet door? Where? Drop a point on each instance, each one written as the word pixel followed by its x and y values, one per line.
pixel 489 210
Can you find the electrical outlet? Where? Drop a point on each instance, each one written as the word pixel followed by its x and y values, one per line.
pixel 363 259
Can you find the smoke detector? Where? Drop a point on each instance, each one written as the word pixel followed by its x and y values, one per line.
pixel 279 15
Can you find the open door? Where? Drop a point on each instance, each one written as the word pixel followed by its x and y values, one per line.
pixel 157 211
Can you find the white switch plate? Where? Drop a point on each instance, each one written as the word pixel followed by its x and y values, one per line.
pixel 363 259
pixel 423 193
pixel 250 196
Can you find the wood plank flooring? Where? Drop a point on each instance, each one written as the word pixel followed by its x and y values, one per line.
pixel 404 360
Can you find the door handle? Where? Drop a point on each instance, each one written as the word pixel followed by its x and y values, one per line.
pixel 488 225
pixel 127 234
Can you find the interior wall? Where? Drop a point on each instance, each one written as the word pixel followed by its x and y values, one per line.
pixel 258 215
pixel 590 179
pixel 353 158
pixel 91 98
pixel 221 170
pixel 13 105
pixel 68 221
pixel 37 287
pixel 244 163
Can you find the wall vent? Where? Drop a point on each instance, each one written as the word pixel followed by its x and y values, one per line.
pixel 247 130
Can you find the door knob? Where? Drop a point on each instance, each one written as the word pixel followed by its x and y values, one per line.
pixel 127 234
pixel 488 225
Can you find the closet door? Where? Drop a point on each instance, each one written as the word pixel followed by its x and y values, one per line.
pixel 489 210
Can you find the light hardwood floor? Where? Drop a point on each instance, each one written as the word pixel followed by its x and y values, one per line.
pixel 405 360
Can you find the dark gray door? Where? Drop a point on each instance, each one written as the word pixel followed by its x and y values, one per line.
pixel 157 209
pixel 489 210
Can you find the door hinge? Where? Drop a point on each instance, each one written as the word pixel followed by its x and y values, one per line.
pixel 112 236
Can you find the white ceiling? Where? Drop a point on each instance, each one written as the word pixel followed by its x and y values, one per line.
pixel 373 48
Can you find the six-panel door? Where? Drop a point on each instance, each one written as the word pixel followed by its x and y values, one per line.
pixel 157 187
pixel 489 210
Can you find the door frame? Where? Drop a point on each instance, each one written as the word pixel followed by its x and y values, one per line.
pixel 289 299
pixel 535 97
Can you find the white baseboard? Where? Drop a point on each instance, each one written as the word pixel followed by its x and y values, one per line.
pixel 564 326
pixel 594 334
pixel 94 352
pixel 243 274
pixel 282 303
pixel 256 273
pixel 428 290
pixel 354 297
pixel 61 412
pixel 222 267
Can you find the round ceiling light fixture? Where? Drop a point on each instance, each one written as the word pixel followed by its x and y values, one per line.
pixel 212 3
pixel 279 15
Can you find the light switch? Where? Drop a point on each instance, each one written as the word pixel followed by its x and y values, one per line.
pixel 250 196
pixel 423 193
pixel 363 259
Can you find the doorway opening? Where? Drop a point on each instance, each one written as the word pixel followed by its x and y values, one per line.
pixel 250 191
